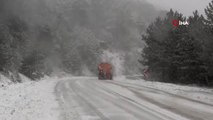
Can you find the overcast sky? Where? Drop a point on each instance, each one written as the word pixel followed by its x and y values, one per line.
pixel 184 6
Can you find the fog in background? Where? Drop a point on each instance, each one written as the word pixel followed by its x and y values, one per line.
pixel 72 35
pixel 47 36
pixel 184 6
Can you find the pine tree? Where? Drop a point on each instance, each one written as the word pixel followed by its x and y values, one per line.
pixel 209 42
pixel 159 46
pixel 13 41
pixel 209 13
pixel 172 53
pixel 34 66
pixel 35 63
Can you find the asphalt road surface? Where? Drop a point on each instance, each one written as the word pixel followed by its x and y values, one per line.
pixel 91 99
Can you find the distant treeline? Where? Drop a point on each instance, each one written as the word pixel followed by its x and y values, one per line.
pixel 40 37
pixel 182 54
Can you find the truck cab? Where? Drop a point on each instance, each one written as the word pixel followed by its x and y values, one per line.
pixel 105 71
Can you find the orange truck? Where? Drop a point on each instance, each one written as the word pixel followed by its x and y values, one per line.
pixel 105 71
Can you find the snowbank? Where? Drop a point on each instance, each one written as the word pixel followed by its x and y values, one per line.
pixel 204 95
pixel 24 78
pixel 29 101
pixel 4 81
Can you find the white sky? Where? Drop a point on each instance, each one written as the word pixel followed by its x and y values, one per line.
pixel 184 6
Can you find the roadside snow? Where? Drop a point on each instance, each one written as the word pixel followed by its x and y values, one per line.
pixel 192 92
pixel 4 81
pixel 24 78
pixel 29 101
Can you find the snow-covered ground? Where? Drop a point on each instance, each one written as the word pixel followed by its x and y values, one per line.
pixel 192 92
pixel 86 98
pixel 28 100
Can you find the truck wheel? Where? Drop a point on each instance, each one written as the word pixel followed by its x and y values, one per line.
pixel 100 77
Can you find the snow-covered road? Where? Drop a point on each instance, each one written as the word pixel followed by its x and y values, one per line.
pixel 91 99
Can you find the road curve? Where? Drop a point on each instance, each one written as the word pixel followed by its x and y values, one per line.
pixel 91 99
